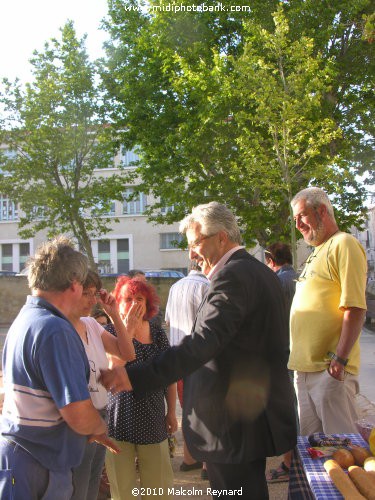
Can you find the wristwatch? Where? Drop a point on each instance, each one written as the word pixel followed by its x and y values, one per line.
pixel 334 356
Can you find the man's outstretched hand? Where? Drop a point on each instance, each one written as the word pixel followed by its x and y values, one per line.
pixel 105 441
pixel 115 380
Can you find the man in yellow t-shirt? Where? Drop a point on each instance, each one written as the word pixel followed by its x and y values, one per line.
pixel 327 315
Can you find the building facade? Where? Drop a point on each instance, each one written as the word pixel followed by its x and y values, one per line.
pixel 132 242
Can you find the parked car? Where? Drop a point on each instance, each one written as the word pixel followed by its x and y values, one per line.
pixel 164 273
pixel 24 272
pixel 158 273
pixel 7 273
pixel 111 275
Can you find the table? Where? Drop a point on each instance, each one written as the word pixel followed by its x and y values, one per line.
pixel 319 481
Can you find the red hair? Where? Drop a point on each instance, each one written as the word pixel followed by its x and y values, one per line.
pixel 134 286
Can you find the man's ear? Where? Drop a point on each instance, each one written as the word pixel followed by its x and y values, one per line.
pixel 223 237
pixel 322 210
pixel 271 264
pixel 75 286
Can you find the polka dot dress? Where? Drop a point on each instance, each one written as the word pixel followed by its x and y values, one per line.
pixel 140 421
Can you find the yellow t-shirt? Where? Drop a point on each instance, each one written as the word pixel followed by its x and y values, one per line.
pixel 334 278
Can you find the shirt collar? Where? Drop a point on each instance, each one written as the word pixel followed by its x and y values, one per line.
pixel 196 272
pixel 37 301
pixel 224 259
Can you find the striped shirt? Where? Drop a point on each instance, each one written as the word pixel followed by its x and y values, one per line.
pixel 184 299
pixel 45 368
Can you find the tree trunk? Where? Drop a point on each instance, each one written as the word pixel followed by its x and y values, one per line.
pixel 86 244
pixel 293 238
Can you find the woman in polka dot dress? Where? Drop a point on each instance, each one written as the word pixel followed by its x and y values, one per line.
pixel 140 427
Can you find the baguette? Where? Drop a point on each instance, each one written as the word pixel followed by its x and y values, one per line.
pixel 364 481
pixel 342 481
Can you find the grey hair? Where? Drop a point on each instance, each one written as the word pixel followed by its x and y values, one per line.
pixel 314 197
pixel 213 217
pixel 56 265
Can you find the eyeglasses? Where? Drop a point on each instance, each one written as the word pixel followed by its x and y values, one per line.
pixel 199 240
pixel 91 295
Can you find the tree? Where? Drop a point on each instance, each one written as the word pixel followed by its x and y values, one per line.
pixel 56 133
pixel 212 123
pixel 285 128
pixel 343 31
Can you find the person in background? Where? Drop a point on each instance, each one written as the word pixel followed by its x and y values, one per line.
pixel 278 257
pixel 100 316
pixel 326 319
pixel 238 398
pixel 184 298
pixel 158 318
pixel 140 426
pixel 97 342
pixel 48 413
pixel 136 273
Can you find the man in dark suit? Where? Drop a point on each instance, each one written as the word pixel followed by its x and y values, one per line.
pixel 238 399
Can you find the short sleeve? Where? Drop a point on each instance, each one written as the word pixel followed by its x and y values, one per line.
pixel 352 270
pixel 64 367
pixel 93 326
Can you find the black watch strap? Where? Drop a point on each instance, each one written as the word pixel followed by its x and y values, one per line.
pixel 334 356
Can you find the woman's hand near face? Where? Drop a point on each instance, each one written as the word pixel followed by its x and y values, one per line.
pixel 108 303
pixel 134 317
pixel 122 345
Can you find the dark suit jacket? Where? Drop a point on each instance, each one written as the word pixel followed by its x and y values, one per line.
pixel 238 399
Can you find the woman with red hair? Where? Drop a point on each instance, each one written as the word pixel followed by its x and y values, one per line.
pixel 140 427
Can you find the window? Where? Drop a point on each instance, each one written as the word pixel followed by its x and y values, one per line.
pixel 8 154
pixel 123 256
pixel 7 257
pixel 100 205
pixel 24 254
pixel 167 209
pixel 137 205
pixel 112 255
pixel 8 209
pixel 104 256
pixel 169 241
pixel 128 158
pixel 39 212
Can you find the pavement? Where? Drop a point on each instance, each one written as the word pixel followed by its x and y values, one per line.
pixel 191 486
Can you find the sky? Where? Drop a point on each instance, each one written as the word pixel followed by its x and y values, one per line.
pixel 25 25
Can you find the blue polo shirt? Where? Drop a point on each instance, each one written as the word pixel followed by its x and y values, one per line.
pixel 45 368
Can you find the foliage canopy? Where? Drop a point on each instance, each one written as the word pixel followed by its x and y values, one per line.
pixel 246 108
pixel 56 133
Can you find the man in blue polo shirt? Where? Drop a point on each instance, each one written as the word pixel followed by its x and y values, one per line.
pixel 47 413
